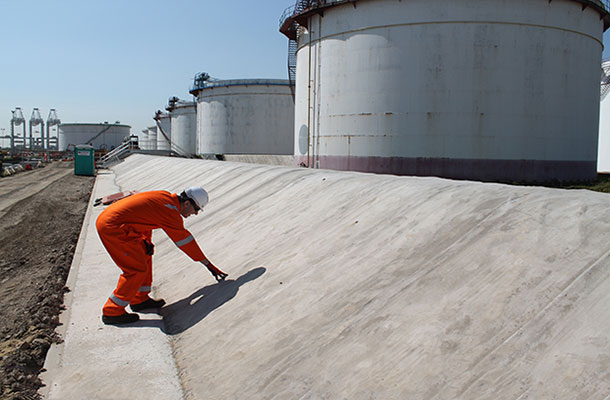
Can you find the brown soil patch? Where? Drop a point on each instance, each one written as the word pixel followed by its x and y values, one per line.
pixel 41 220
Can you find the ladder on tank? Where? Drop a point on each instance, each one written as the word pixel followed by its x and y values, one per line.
pixel 291 28
pixel 292 64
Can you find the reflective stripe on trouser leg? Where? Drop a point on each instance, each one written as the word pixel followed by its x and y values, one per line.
pixel 126 291
pixel 118 301
pixel 112 309
pixel 146 287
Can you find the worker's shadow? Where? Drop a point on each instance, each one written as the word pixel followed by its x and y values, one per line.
pixel 185 313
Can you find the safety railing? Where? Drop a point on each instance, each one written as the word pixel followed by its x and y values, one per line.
pixel 288 25
pixel 236 82
pixel 288 13
pixel 299 7
pixel 604 3
pixel 116 153
pixel 303 5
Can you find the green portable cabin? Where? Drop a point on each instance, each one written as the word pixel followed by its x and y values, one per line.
pixel 84 160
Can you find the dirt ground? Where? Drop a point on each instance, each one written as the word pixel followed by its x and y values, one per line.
pixel 41 213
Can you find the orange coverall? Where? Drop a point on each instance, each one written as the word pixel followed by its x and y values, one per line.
pixel 123 228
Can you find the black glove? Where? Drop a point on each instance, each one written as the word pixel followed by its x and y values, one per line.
pixel 150 247
pixel 218 274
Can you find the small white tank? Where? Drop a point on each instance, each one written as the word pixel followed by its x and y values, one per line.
pixel 152 137
pixel 143 140
pixel 101 136
pixel 245 116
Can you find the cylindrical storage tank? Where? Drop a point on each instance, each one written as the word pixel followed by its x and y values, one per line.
pixel 245 116
pixel 164 135
pixel 183 126
pixel 143 140
pixel 468 89
pixel 101 136
pixel 152 137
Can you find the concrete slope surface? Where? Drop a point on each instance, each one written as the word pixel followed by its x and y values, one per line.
pixel 360 286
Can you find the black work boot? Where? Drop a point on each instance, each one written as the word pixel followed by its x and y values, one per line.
pixel 120 319
pixel 147 304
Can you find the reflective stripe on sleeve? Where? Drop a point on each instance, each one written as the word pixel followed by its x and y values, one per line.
pixel 144 289
pixel 118 301
pixel 182 242
pixel 172 207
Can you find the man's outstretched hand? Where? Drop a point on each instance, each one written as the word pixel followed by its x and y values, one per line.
pixel 218 274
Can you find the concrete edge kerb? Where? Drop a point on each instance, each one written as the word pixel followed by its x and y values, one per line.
pixel 98 361
pixel 53 358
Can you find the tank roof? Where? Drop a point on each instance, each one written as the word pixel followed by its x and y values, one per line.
pixel 92 124
pixel 182 104
pixel 239 82
pixel 298 15
pixel 174 103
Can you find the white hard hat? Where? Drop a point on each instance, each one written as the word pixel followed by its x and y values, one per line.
pixel 198 195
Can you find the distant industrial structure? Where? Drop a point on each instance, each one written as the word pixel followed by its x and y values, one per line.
pixel 63 137
pixel 18 141
pixel 53 121
pixel 36 138
pixel 102 136
pixel 468 89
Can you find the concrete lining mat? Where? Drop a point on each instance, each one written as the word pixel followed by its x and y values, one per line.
pixel 359 286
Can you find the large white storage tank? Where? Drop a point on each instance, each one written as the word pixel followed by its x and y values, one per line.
pixel 183 126
pixel 101 136
pixel 245 116
pixel 472 89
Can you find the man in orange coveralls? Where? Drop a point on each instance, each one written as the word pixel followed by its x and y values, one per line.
pixel 125 228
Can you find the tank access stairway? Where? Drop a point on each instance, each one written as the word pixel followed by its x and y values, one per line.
pixel 117 154
pixel 131 146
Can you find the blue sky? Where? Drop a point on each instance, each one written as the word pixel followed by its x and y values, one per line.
pixel 120 60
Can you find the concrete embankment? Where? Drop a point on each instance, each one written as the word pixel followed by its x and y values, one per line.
pixel 354 286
